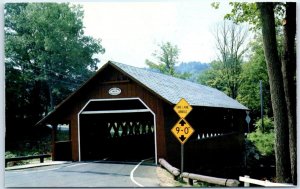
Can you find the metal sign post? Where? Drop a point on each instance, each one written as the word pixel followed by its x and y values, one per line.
pixel 182 129
pixel 248 119
pixel 182 158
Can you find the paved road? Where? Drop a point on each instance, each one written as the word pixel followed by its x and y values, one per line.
pixel 84 175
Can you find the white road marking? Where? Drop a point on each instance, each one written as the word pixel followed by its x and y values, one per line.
pixel 44 170
pixel 35 171
pixel 131 173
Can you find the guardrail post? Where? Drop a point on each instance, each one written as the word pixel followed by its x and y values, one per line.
pixel 247 184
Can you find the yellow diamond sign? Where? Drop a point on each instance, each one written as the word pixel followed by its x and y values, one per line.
pixel 182 130
pixel 183 108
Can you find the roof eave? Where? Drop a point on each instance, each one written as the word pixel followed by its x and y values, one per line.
pixel 137 81
pixel 70 96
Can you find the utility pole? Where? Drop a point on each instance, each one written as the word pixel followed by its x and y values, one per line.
pixel 261 105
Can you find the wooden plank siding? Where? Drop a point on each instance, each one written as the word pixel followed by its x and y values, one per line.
pixel 98 88
pixel 218 140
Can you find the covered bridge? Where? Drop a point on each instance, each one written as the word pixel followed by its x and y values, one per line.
pixel 124 113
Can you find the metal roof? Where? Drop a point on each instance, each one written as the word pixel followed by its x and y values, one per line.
pixel 173 89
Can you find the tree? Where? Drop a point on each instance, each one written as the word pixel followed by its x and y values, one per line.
pixel 289 82
pixel 254 71
pixel 268 17
pixel 47 57
pixel 166 57
pixel 230 41
pixel 225 73
pixel 214 77
pixel 283 166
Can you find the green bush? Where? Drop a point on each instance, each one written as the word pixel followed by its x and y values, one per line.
pixel 9 154
pixel 268 125
pixel 264 141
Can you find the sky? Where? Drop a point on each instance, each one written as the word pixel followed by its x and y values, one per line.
pixel 132 30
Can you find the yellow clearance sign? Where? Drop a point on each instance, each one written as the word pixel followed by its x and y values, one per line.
pixel 182 108
pixel 182 130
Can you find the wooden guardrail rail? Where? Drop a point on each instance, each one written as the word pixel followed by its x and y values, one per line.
pixel 173 170
pixel 41 157
pixel 211 180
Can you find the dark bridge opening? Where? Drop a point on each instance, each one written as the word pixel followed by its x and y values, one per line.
pixel 125 132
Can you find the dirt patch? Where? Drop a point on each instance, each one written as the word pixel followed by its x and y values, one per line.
pixel 166 179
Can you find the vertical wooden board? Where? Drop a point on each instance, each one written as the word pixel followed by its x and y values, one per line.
pixel 100 89
pixel 130 90
pixel 124 88
pixel 74 137
pixel 161 137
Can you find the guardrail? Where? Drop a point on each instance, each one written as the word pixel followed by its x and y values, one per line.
pixel 173 170
pixel 219 181
pixel 41 157
pixel 247 181
pixel 211 180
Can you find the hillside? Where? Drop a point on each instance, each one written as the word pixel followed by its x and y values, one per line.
pixel 194 68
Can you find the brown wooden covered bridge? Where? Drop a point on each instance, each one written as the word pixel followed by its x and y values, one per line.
pixel 124 113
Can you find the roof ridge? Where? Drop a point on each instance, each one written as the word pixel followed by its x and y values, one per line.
pixel 172 88
pixel 159 73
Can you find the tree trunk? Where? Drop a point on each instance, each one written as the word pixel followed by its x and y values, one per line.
pixel 282 156
pixel 51 100
pixel 288 73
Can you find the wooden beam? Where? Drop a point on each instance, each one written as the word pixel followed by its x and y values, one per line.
pixel 115 111
pixel 212 180
pixel 173 170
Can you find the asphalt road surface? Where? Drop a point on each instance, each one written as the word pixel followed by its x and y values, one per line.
pixel 84 175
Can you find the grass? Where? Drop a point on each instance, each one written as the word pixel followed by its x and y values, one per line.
pixel 167 180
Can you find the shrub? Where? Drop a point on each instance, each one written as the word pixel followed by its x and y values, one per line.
pixel 9 154
pixel 268 125
pixel 264 141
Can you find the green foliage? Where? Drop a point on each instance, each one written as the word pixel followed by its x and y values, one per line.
pixel 166 57
pixel 9 154
pixel 214 77
pixel 264 141
pixel 44 42
pixel 224 74
pixel 268 125
pixel 252 72
pixel 29 148
pixel 242 12
pixel 47 56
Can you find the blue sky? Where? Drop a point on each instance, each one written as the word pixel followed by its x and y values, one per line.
pixel 131 30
